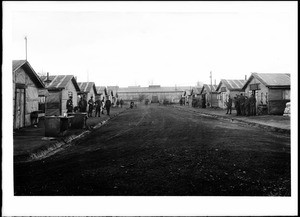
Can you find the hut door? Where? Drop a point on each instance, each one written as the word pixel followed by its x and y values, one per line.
pixel 20 108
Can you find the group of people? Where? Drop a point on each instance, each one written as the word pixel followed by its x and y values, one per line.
pixel 83 105
pixel 245 106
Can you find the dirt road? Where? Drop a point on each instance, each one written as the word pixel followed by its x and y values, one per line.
pixel 160 150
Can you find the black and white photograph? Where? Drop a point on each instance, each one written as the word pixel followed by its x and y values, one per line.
pixel 150 108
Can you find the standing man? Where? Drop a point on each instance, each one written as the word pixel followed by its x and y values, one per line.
pixel 108 105
pixel 121 103
pixel 69 105
pixel 98 104
pixel 91 106
pixel 247 106
pixel 252 105
pixel 229 105
pixel 242 104
pixel 237 105
pixel 83 104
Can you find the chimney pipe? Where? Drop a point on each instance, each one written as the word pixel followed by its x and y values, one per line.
pixel 215 82
pixel 245 77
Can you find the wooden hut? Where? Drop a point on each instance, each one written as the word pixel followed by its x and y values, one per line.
pixel 60 87
pixel 26 85
pixel 100 92
pixel 209 96
pixel 228 88
pixel 112 93
pixel 271 90
pixel 88 89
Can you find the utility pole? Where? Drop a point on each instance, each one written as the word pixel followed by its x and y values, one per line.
pixel 26 47
pixel 211 87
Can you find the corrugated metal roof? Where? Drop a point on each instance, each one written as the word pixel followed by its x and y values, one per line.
pixel 17 64
pixel 59 81
pixel 232 84
pixel 207 88
pixel 29 70
pixel 273 79
pixel 86 86
pixel 100 89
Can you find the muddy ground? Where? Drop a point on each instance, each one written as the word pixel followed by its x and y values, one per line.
pixel 162 151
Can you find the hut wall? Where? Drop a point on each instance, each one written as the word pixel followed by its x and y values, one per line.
pixel 65 96
pixel 53 103
pixel 277 101
pixel 31 94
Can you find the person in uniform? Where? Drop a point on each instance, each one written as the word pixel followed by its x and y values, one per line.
pixel 121 103
pixel 69 105
pixel 242 104
pixel 91 106
pixel 107 106
pixel 252 105
pixel 82 104
pixel 229 105
pixel 247 106
pixel 237 105
pixel 98 105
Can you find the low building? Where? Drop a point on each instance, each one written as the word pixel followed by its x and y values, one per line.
pixel 88 89
pixel 60 88
pixel 112 94
pixel 100 92
pixel 228 88
pixel 152 93
pixel 195 100
pixel 26 86
pixel 271 90
pixel 209 96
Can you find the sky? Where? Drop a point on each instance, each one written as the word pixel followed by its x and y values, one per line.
pixel 173 44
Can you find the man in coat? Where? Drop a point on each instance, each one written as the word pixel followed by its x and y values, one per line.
pixel 91 106
pixel 252 105
pixel 82 104
pixel 98 105
pixel 229 105
pixel 70 105
pixel 107 106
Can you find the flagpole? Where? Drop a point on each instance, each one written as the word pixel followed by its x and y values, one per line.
pixel 210 89
pixel 26 47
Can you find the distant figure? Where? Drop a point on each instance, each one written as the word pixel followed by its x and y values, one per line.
pixel 229 105
pixel 121 103
pixel 131 104
pixel 118 103
pixel 82 104
pixel 103 106
pixel 91 106
pixel 70 105
pixel 98 105
pixel 107 106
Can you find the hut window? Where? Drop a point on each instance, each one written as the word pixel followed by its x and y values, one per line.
pixel 223 89
pixel 286 94
pixel 70 94
pixel 254 87
pixel 42 99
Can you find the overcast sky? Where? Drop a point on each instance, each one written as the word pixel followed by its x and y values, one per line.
pixel 171 44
